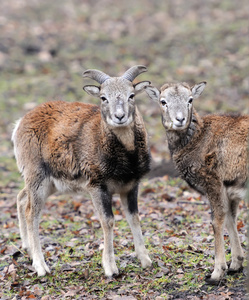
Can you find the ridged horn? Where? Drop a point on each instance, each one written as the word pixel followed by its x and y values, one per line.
pixel 96 75
pixel 133 72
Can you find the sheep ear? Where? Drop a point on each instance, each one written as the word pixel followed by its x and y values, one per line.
pixel 92 90
pixel 197 89
pixel 139 87
pixel 152 92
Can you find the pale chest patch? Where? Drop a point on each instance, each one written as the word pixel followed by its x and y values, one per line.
pixel 126 137
pixel 116 187
pixel 70 186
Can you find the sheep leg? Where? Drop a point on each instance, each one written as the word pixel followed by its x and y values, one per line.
pixel 129 203
pixel 102 201
pixel 21 204
pixel 220 265
pixel 218 219
pixel 34 205
pixel 231 223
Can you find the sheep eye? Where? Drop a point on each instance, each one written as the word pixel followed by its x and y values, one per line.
pixel 163 102
pixel 190 100
pixel 104 99
pixel 131 96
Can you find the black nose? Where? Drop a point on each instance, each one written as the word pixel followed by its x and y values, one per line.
pixel 120 116
pixel 180 120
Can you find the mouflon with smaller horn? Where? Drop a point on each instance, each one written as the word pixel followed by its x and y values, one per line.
pixel 211 154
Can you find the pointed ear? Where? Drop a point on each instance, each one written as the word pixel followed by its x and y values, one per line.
pixel 197 89
pixel 139 87
pixel 92 90
pixel 152 92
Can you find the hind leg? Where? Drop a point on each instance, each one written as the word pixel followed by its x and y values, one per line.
pixel 21 204
pixel 34 204
pixel 231 224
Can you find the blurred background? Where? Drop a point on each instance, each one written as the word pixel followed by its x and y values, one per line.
pixel 46 45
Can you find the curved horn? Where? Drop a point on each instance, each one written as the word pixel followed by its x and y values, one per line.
pixel 133 72
pixel 96 75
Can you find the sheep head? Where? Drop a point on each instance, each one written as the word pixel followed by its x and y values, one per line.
pixel 116 94
pixel 176 103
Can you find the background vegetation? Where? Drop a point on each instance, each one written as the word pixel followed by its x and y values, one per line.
pixel 44 48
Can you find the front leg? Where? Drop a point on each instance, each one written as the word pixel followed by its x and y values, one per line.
pixel 129 202
pixel 102 201
pixel 219 209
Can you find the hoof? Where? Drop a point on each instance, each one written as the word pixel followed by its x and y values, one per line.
pixel 41 269
pixel 211 281
pixel 232 271
pixel 112 273
pixel 146 262
pixel 113 276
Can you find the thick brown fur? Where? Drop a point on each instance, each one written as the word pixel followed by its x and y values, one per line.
pixel 68 147
pixel 68 142
pixel 221 144
pixel 214 162
pixel 71 147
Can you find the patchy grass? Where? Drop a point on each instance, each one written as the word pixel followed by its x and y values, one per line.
pixel 177 234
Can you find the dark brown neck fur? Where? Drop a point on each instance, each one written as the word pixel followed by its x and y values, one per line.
pixel 177 140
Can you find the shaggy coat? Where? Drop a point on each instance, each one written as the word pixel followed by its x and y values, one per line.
pixel 67 144
pixel 211 154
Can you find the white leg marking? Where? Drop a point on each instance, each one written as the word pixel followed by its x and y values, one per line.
pixel 34 205
pixel 21 204
pixel 133 221
pixel 102 203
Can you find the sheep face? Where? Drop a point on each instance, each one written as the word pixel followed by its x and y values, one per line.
pixel 176 107
pixel 175 102
pixel 117 100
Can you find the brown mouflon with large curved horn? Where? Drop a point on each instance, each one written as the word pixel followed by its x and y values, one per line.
pixel 65 147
